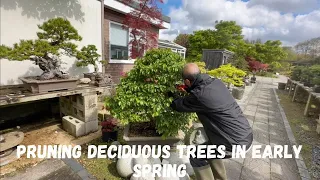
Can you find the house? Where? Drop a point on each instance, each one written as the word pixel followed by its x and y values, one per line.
pixel 97 21
pixel 173 46
pixel 214 58
pixel 116 38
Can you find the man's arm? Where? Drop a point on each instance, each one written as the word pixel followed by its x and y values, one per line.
pixel 187 104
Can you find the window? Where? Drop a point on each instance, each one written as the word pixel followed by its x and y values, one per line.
pixel 119 40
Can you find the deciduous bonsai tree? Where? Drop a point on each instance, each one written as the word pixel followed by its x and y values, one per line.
pixel 229 74
pixel 55 39
pixel 141 95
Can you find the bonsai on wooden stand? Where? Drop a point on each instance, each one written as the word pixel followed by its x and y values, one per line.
pixel 56 39
pixel 89 56
pixel 141 98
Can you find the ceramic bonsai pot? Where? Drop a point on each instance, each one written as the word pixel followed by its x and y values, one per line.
pixel 316 89
pixel 281 86
pixel 171 141
pixel 43 86
pixel 238 92
pixel 110 136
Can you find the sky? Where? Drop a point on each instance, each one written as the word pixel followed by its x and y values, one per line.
pixel 290 21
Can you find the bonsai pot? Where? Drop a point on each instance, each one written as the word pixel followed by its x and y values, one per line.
pixel 281 86
pixel 171 141
pixel 238 92
pixel 308 84
pixel 109 136
pixel 91 76
pixel 316 89
pixel 253 79
pixel 42 86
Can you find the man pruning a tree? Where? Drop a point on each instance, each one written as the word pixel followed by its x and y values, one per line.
pixel 220 115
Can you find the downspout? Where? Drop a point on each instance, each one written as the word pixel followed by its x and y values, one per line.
pixel 102 36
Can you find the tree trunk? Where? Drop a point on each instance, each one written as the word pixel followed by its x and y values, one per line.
pixel 50 67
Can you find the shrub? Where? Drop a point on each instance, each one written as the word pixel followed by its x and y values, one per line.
pixel 229 74
pixel 296 73
pixel 315 71
pixel 141 96
pixel 110 125
pixel 275 66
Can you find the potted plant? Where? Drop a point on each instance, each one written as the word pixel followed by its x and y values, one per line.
pixel 141 101
pixel 56 39
pixel 231 75
pixel 89 56
pixel 109 130
pixel 315 70
pixel 306 77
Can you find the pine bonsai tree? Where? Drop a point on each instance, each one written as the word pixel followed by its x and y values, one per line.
pixel 88 55
pixel 54 40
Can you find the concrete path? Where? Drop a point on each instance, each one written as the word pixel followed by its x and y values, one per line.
pixel 262 111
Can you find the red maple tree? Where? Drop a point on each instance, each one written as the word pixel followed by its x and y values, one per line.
pixel 141 22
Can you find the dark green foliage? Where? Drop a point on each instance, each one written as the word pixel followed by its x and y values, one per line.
pixel 142 94
pixel 57 34
pixel 88 55
pixel 296 73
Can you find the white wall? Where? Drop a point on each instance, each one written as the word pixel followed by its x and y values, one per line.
pixel 19 20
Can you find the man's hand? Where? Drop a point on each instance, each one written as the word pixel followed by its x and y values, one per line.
pixel 181 88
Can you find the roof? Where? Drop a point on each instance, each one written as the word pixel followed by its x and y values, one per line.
pixel 136 6
pixel 170 44
pixel 219 50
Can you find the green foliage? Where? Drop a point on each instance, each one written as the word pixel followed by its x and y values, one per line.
pixel 315 71
pixel 88 55
pixel 228 35
pixel 4 51
pixel 297 73
pixel 270 51
pixel 275 66
pixel 199 40
pixel 56 34
pixel 229 74
pixel 141 96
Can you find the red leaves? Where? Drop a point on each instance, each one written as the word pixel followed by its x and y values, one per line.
pixel 141 21
pixel 109 125
pixel 123 74
pixel 255 65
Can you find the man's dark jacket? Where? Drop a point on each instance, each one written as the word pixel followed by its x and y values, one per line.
pixel 220 114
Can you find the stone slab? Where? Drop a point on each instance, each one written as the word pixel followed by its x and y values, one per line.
pixel 73 126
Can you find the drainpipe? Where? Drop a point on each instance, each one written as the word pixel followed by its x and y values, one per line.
pixel 102 35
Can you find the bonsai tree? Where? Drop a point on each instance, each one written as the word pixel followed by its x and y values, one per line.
pixel 88 55
pixel 229 74
pixel 315 71
pixel 296 73
pixel 56 38
pixel 141 95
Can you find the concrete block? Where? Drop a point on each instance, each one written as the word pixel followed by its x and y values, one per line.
pixel 73 126
pixel 85 115
pixel 91 126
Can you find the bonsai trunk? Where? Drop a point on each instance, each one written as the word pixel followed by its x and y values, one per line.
pixel 50 67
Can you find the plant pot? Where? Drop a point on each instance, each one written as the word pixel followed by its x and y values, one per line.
pixel 91 76
pixel 44 86
pixel 316 89
pixel 281 86
pixel 308 84
pixel 253 79
pixel 110 136
pixel 238 92
pixel 171 141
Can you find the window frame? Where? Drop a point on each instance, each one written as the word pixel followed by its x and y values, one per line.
pixel 122 61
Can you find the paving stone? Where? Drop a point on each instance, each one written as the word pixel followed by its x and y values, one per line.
pixel 73 164
pixel 249 113
pixel 233 169
pixel 284 169
pixel 251 108
pixel 256 169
